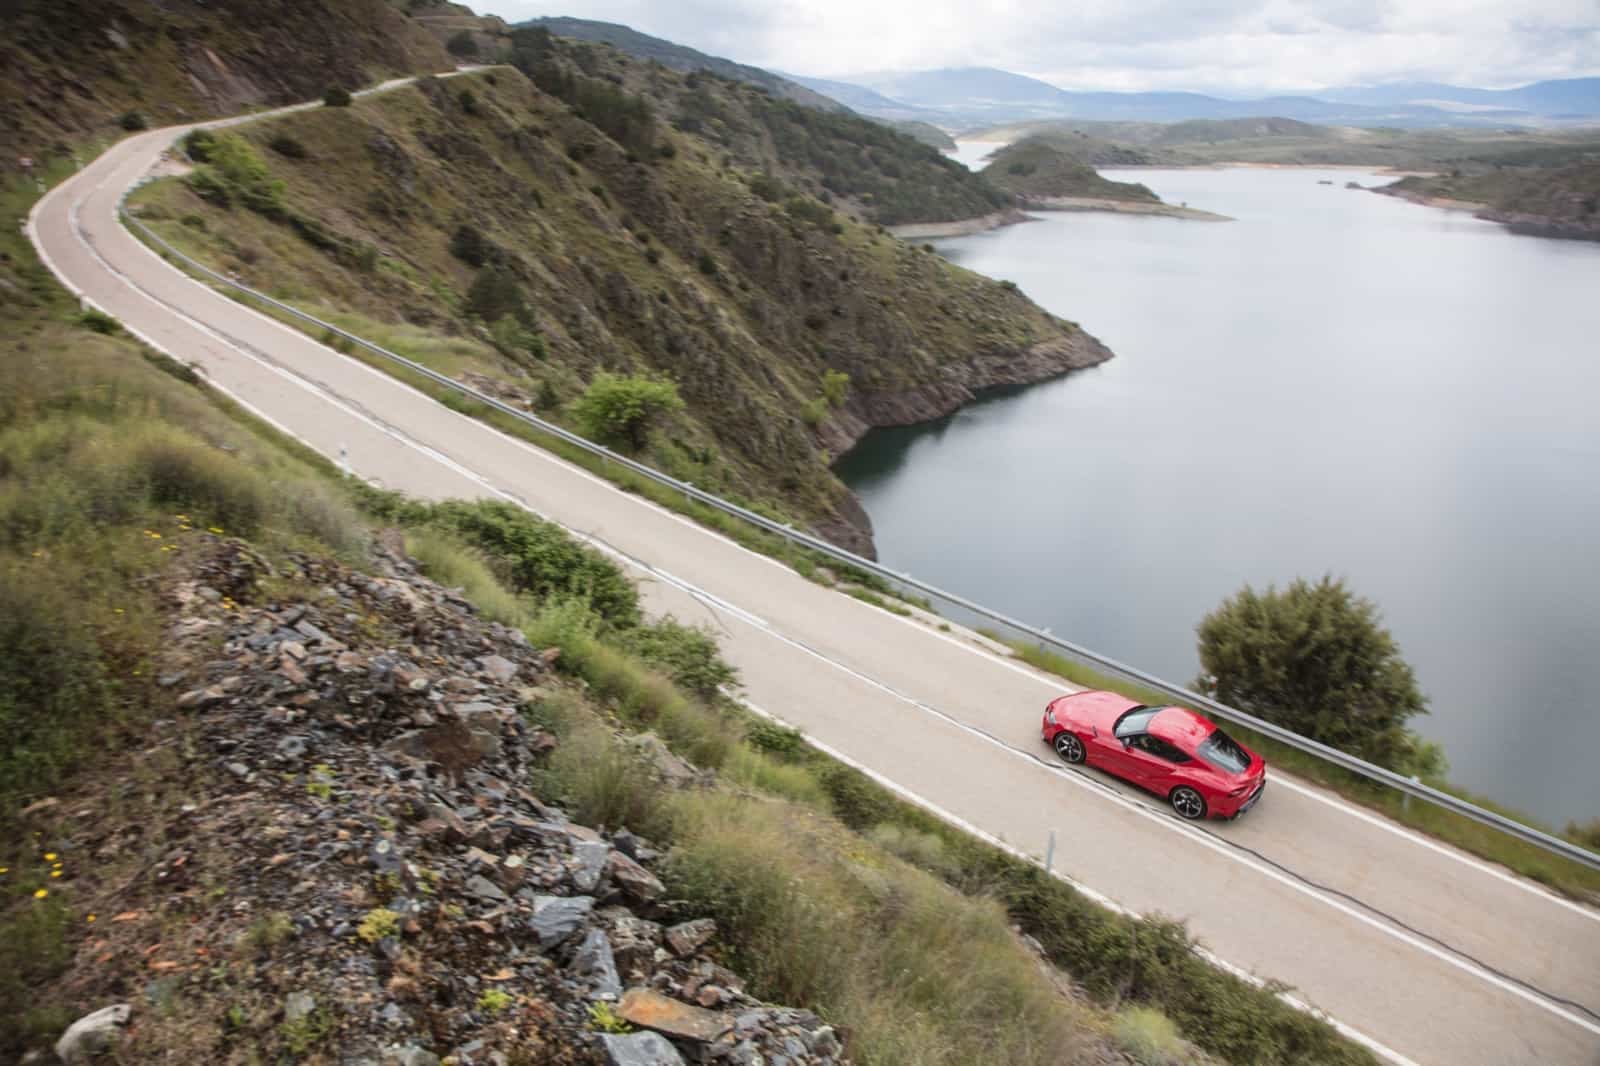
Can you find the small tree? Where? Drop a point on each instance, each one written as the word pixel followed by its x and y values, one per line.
pixel 621 410
pixel 336 97
pixel 1314 658
pixel 494 293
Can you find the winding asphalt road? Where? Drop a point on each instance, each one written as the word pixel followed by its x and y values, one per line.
pixel 1423 952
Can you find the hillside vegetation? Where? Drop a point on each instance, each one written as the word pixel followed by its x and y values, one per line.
pixel 532 233
pixel 71 70
pixel 1038 169
pixel 1553 201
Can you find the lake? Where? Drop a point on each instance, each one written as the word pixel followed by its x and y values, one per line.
pixel 1337 382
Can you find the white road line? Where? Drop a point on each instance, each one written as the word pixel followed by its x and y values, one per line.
pixel 1101 898
pixel 759 623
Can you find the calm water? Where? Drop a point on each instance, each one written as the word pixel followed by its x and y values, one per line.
pixel 1338 383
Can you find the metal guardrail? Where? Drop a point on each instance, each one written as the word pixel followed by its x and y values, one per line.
pixel 1405 785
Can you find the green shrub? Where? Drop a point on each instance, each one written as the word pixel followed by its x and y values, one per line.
pixel 235 172
pixel 462 44
pixel 470 246
pixel 469 102
pixel 857 801
pixel 1314 658
pixel 287 147
pixel 495 293
pixel 337 97
pixel 99 321
pixel 686 654
pixel 197 145
pixel 539 557
pixel 622 410
pixel 133 121
pixel 813 411
pixel 706 264
pixel 835 387
pixel 516 340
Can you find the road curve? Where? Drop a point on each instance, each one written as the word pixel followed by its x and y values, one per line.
pixel 1427 953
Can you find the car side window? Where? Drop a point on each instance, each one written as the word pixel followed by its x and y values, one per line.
pixel 1163 750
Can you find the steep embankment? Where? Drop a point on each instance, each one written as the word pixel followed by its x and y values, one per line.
pixel 71 70
pixel 1561 201
pixel 527 238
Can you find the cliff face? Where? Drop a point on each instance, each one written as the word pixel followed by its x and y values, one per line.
pixel 69 69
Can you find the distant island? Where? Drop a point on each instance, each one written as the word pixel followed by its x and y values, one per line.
pixel 1050 172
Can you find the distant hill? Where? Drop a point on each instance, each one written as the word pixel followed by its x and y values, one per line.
pixel 1556 201
pixel 1566 97
pixel 926 132
pixel 1038 169
pixel 683 58
pixel 862 99
pixel 983 96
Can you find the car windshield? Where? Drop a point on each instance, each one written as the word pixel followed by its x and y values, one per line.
pixel 1134 721
pixel 1223 752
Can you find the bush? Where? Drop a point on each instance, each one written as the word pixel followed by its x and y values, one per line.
pixel 706 264
pixel 197 145
pixel 235 171
pixel 462 43
pixel 686 654
pixel 835 387
pixel 539 557
pixel 514 339
pixel 622 410
pixel 495 293
pixel 469 102
pixel 99 321
pixel 470 246
pixel 1314 659
pixel 132 121
pixel 287 147
pixel 336 97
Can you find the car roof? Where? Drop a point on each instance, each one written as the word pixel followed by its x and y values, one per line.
pixel 1180 726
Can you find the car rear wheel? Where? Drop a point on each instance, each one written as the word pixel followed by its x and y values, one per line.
pixel 1069 747
pixel 1190 805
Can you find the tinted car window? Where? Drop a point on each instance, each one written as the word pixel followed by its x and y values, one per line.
pixel 1163 750
pixel 1223 752
pixel 1135 721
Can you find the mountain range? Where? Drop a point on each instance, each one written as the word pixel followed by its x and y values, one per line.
pixel 984 95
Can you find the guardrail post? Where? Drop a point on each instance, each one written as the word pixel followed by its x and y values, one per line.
pixel 1050 852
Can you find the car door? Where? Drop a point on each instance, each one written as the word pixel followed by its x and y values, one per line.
pixel 1127 759
pixel 1159 764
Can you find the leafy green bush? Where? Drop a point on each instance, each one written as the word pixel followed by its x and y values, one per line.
pixel 197 145
pixel 1148 1037
pixel 234 171
pixel 132 121
pixel 336 97
pixel 622 410
pixel 686 654
pixel 539 557
pixel 1314 658
pixel 469 245
pixel 835 387
pixel 495 293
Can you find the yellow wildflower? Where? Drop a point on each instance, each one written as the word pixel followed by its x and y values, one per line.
pixel 55 873
pixel 49 856
pixel 91 918
pixel 216 529
pixel 41 894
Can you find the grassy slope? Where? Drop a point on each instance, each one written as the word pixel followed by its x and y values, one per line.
pixel 72 67
pixel 1567 194
pixel 611 255
pixel 1038 168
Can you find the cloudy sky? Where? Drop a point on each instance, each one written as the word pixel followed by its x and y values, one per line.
pixel 1241 46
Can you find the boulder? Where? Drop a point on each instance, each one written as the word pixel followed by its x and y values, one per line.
pixel 92 1034
pixel 640 1049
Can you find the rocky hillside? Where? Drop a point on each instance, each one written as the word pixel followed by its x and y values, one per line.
pixel 358 870
pixel 1038 170
pixel 72 70
pixel 533 232
pixel 1554 201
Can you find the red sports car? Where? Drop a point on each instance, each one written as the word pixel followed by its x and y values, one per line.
pixel 1171 751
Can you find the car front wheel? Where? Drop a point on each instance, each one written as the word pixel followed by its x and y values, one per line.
pixel 1069 747
pixel 1190 805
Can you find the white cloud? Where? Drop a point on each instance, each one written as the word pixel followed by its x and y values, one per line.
pixel 1202 45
